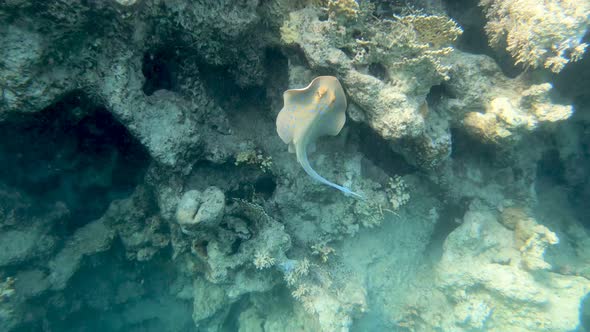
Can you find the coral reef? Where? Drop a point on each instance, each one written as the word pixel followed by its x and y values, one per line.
pixel 538 34
pixel 479 258
pixel 494 108
pixel 387 68
pixel 197 209
pixel 141 166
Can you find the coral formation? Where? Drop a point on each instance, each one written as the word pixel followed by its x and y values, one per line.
pixel 504 118
pixel 253 157
pixel 475 283
pixel 387 70
pixel 496 109
pixel 539 33
pixel 263 260
pixel 397 192
pixel 200 209
pixel 141 167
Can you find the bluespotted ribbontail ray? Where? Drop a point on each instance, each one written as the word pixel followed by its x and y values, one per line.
pixel 309 113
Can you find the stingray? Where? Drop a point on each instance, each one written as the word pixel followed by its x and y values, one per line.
pixel 309 113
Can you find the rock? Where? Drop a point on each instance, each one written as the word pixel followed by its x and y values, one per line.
pixel 201 209
pixel 17 246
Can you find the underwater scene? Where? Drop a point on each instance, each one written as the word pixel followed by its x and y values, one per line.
pixel 294 165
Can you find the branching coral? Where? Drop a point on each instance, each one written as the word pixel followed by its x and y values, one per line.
pixel 263 260
pixel 406 43
pixel 254 157
pixel 397 192
pixel 334 304
pixel 343 9
pixel 323 251
pixel 538 33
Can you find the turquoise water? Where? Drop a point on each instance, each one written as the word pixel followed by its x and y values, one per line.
pixel 148 182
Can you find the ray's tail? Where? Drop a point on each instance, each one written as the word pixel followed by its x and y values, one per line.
pixel 302 158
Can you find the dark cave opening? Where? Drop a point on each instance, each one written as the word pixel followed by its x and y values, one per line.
pixel 218 81
pixel 471 17
pixel 571 84
pixel 235 246
pixel 247 180
pixel 221 85
pixel 107 290
pixel 232 321
pixel 550 167
pixel 379 152
pixel 572 81
pixel 159 69
pixel 464 145
pixel 265 186
pixel 378 70
pixel 450 217
pixel 438 93
pixel 72 152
